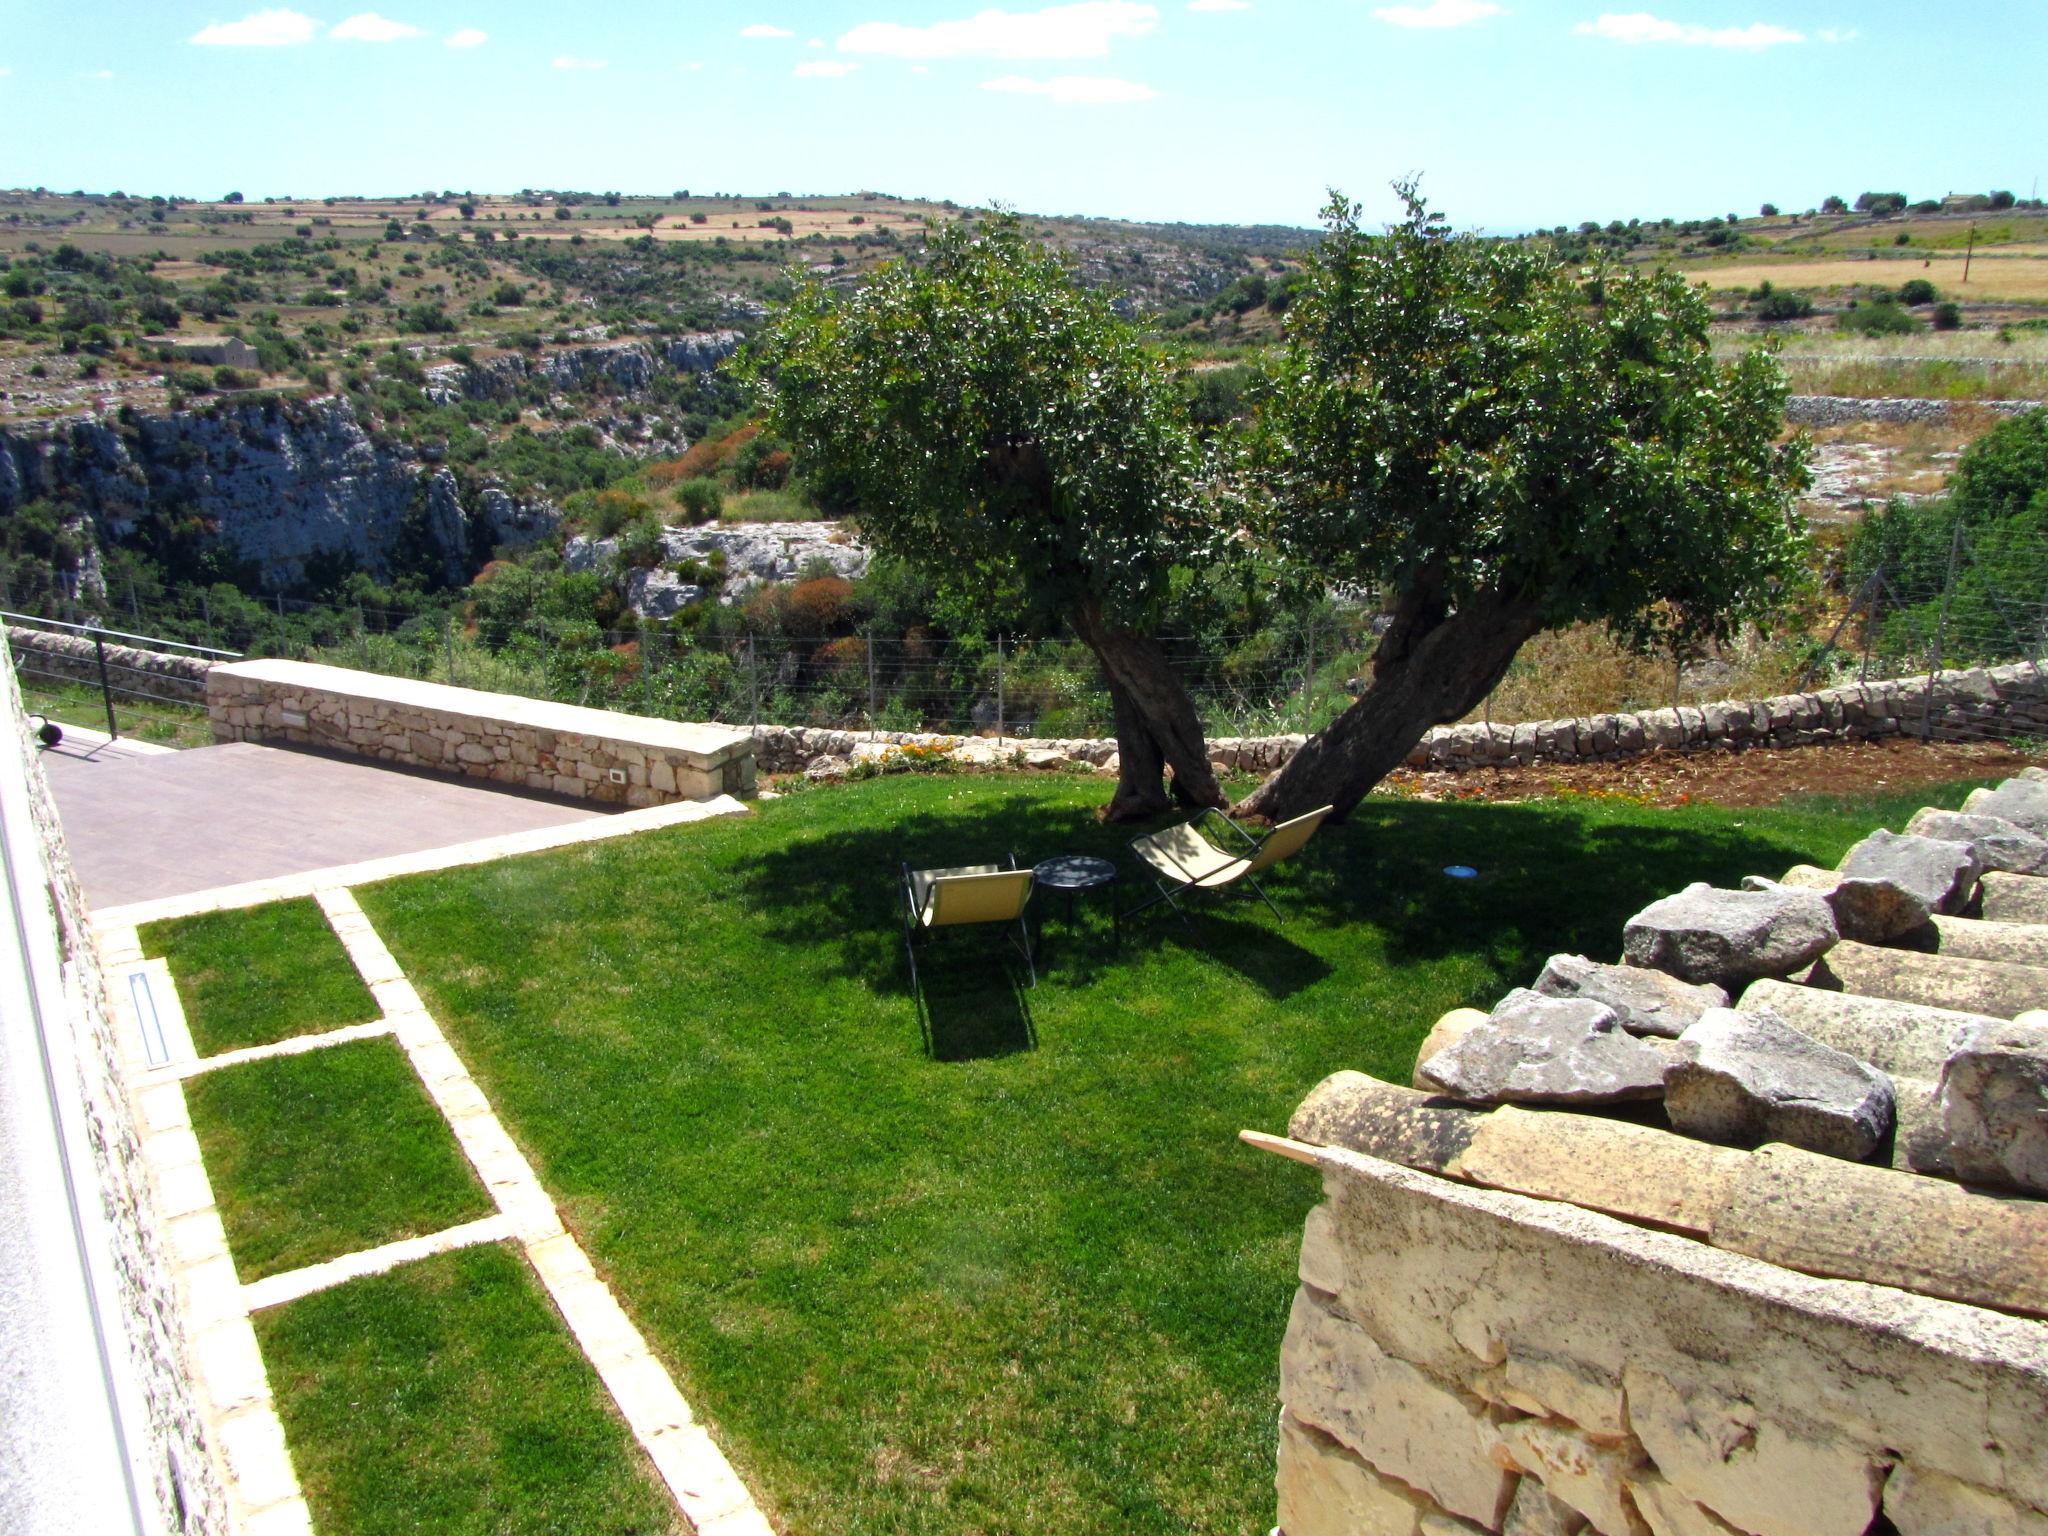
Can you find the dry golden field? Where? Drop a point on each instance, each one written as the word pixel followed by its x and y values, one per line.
pixel 2009 274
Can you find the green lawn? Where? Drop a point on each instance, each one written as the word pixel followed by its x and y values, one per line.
pixel 446 1397
pixel 318 1155
pixel 1012 1272
pixel 261 974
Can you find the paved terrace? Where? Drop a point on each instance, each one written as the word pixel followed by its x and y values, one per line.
pixel 144 824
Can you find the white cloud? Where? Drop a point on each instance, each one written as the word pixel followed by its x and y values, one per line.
pixel 1082 31
pixel 762 29
pixel 1439 13
pixel 1219 5
pixel 1642 27
pixel 1092 89
pixel 369 27
pixel 570 61
pixel 824 69
pixel 814 42
pixel 468 37
pixel 1839 34
pixel 694 65
pixel 259 29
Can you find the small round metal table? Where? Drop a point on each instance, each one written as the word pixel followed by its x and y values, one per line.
pixel 1074 875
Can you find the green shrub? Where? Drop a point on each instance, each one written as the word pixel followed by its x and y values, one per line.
pixel 194 381
pixel 700 500
pixel 1773 305
pixel 1916 291
pixel 1881 318
pixel 1947 317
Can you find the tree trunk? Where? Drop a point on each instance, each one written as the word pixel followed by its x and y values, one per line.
pixel 1432 667
pixel 1156 724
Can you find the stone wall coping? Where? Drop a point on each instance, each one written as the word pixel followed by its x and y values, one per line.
pixel 705 746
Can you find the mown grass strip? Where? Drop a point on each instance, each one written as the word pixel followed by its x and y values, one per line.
pixel 1013 1273
pixel 259 974
pixel 446 1396
pixel 321 1154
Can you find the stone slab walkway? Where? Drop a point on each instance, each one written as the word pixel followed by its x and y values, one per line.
pixel 147 825
pixel 263 1489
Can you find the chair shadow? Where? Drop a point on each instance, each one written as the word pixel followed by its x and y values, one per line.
pixel 968 1014
pixel 1265 957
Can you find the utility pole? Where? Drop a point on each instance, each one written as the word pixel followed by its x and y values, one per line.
pixel 1969 251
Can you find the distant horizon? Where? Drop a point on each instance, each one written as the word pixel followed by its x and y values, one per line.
pixel 1516 116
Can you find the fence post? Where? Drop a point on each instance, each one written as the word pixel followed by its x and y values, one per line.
pixel 753 685
pixel 871 684
pixel 448 643
pixel 99 651
pixel 1001 729
pixel 362 640
pixel 647 638
pixel 546 689
pixel 1948 589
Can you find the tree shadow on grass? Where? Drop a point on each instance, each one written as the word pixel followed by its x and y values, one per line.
pixel 1552 878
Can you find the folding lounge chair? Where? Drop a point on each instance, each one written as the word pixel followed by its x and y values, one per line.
pixel 955 898
pixel 1184 862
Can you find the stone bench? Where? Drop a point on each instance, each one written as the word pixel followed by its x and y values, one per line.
pixel 564 749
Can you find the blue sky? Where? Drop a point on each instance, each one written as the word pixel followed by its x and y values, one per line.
pixel 1515 112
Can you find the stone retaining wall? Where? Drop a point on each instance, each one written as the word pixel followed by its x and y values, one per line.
pixel 154 1396
pixel 1839 410
pixel 1980 701
pixel 1463 1360
pixel 564 749
pixel 73 656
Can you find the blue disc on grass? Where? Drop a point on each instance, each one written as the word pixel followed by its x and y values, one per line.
pixel 1461 871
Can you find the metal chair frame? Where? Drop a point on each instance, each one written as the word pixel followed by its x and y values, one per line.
pixel 914 924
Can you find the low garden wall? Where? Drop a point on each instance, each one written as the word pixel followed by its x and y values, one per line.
pixel 75 657
pixel 83 1408
pixel 1980 701
pixel 563 749
pixel 1839 410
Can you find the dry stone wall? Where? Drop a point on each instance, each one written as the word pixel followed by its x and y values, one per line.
pixel 1628 1259
pixel 172 1456
pixel 1839 410
pixel 563 749
pixel 1974 702
pixel 75 657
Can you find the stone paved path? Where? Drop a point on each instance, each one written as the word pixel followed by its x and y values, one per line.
pixel 159 1056
pixel 147 825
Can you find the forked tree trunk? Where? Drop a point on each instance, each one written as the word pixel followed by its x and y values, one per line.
pixel 1156 724
pixel 1432 667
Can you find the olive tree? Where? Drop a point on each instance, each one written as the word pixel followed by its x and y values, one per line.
pixel 1003 431
pixel 1501 445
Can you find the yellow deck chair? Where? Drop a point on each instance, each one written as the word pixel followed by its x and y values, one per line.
pixel 1184 862
pixel 969 896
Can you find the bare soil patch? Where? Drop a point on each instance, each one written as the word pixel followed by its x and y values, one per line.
pixel 1760 776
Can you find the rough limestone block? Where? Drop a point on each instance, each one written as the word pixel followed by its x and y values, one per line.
pixel 1747 1467
pixel 1922 1503
pixel 1591 1478
pixel 1536 1512
pixel 1404 1125
pixel 2021 801
pixel 1994 1105
pixel 2005 898
pixel 1726 938
pixel 2000 844
pixel 1751 1077
pixel 1325 1490
pixel 1545 1050
pixel 1910 1039
pixel 1400 1420
pixel 1446 1032
pixel 1667 1512
pixel 1959 1390
pixel 1647 1002
pixel 1920 1141
pixel 1969 938
pixel 1993 987
pixel 1891 884
pixel 1827 1217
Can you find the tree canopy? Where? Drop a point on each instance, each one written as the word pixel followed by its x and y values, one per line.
pixel 1502 445
pixel 1005 432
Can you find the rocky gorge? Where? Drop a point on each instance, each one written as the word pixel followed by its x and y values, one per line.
pixel 280 482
